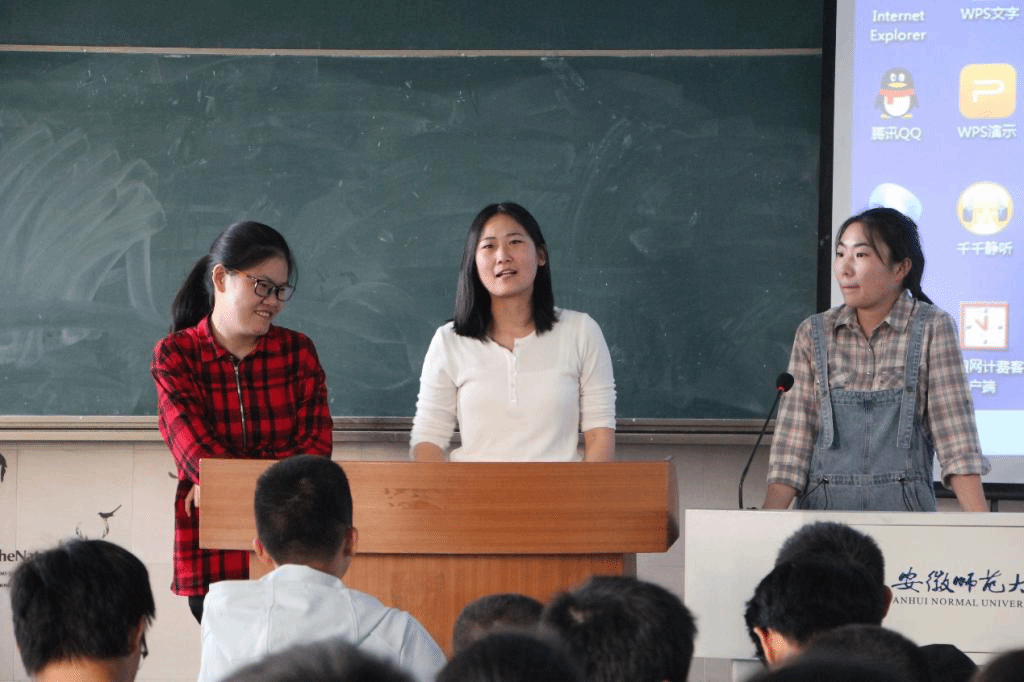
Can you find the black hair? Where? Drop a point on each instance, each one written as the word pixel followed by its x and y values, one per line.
pixel 1005 667
pixel 507 610
pixel 472 316
pixel 329 660
pixel 621 628
pixel 799 599
pixel 511 657
pixel 946 663
pixel 240 246
pixel 871 644
pixel 830 540
pixel 901 235
pixel 831 669
pixel 303 508
pixel 83 599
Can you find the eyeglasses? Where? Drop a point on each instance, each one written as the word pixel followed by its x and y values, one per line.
pixel 265 288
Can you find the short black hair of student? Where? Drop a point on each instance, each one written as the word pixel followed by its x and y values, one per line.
pixel 1005 667
pixel 507 610
pixel 799 599
pixel 622 628
pixel 83 599
pixel 303 508
pixel 832 669
pixel 472 316
pixel 871 644
pixel 511 657
pixel 329 660
pixel 833 541
pixel 946 663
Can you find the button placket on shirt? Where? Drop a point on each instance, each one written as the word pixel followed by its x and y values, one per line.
pixel 512 360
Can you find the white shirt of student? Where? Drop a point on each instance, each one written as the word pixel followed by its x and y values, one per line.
pixel 244 620
pixel 525 404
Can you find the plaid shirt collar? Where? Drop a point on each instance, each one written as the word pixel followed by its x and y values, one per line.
pixel 898 317
pixel 270 342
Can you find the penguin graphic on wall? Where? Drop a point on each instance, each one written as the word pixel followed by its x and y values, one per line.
pixel 897 96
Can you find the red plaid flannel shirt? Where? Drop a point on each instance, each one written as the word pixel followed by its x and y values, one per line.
pixel 269 405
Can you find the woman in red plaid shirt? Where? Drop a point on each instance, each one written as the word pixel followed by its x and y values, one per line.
pixel 231 384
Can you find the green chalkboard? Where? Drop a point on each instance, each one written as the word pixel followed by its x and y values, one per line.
pixel 422 25
pixel 678 196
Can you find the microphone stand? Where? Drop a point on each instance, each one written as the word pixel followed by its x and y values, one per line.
pixel 782 387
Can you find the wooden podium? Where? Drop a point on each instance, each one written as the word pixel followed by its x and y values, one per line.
pixel 434 536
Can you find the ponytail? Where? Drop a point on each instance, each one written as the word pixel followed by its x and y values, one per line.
pixel 194 299
pixel 915 291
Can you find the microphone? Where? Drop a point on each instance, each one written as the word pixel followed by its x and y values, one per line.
pixel 783 383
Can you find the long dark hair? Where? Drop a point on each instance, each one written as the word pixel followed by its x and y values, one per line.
pixel 240 246
pixel 472 301
pixel 900 234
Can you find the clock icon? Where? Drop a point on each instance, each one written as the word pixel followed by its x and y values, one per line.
pixel 984 325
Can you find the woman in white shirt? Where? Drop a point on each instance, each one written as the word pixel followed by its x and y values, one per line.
pixel 520 377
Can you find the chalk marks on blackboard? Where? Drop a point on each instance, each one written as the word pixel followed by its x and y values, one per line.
pixel 675 195
pixel 69 213
pixel 75 228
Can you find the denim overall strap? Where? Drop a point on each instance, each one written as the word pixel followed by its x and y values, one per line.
pixel 908 405
pixel 827 434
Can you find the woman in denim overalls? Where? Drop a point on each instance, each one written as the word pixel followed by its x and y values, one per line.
pixel 868 449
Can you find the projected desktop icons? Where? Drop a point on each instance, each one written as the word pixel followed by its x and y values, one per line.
pixel 988 91
pixel 984 325
pixel 896 100
pixel 897 96
pixel 984 208
pixel 891 195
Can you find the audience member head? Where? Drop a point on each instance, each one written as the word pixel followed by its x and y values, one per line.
pixel 1006 667
pixel 946 663
pixel 494 612
pixel 472 300
pixel 511 657
pixel 303 509
pixel 621 628
pixel 329 660
pixel 871 644
pixel 832 541
pixel 239 247
pixel 832 670
pixel 799 599
pixel 82 603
